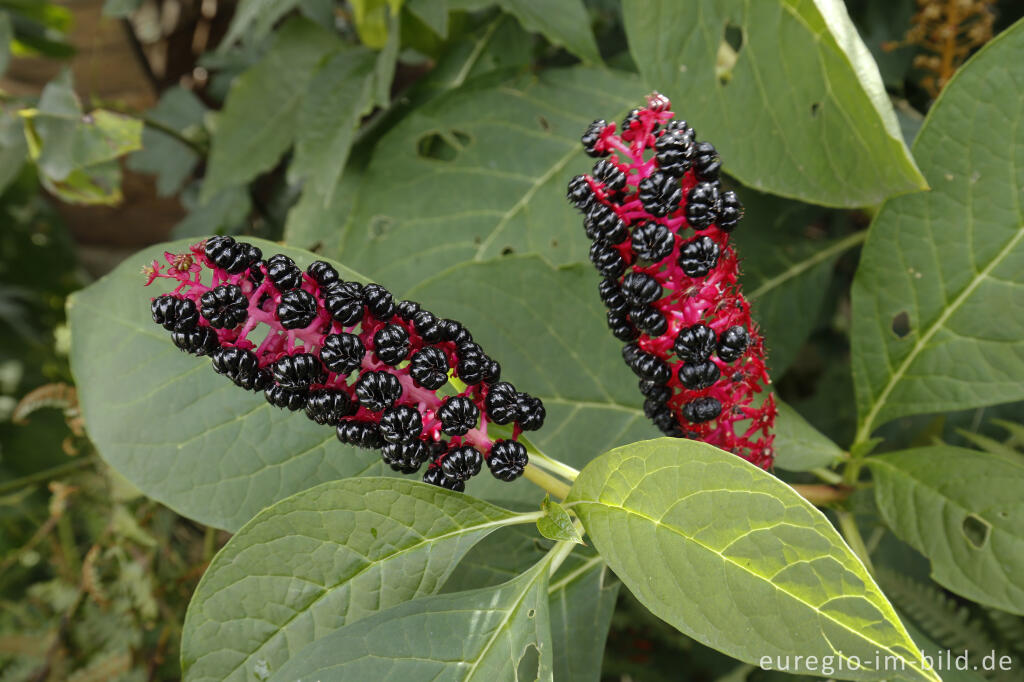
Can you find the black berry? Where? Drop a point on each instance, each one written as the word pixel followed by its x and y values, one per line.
pixel 649 319
pixel 702 410
pixel 391 343
pixel 580 193
pixel 407 309
pixel 732 343
pixel 197 341
pixel 342 353
pixel 731 211
pixel 508 460
pixel 707 164
pixel 610 175
pixel 652 242
pixel 297 372
pixel 241 366
pixel 328 406
pixel 402 424
pixel 702 205
pixel 660 193
pixel 698 376
pixel 675 150
pixel 591 136
pixel 698 256
pixel 458 415
pixel 284 398
pixel 379 301
pixel 344 301
pixel 530 412
pixel 429 368
pixel 230 255
pixel 297 309
pixel 434 476
pixel 622 328
pixel 283 272
pixel 640 288
pixel 607 260
pixel 604 224
pixel 377 391
pixel 406 458
pixel 695 344
pixel 462 463
pixel 502 403
pixel 362 434
pixel 224 307
pixel 323 273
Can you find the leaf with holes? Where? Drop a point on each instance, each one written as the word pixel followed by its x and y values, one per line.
pixel 324 558
pixel 775 578
pixel 784 88
pixel 206 449
pixel 938 302
pixel 963 510
pixel 427 639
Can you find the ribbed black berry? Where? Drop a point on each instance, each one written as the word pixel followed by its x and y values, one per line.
pixel 612 296
pixel 621 326
pixel 429 368
pixel 607 260
pixel 698 256
pixel 256 271
pixel 502 403
pixel 282 397
pixel 695 344
pixel 702 410
pixel 407 309
pixel 224 307
pixel 323 273
pixel 590 137
pixel 241 366
pixel 173 313
pixel 297 372
pixel 297 309
pixel 675 150
pixel 230 255
pixel 283 272
pixel 473 364
pixel 649 319
pixel 640 288
pixel 379 301
pixel 492 372
pixel 580 193
pixel 631 124
pixel 645 365
pixel 402 424
pixel 652 242
pixel 452 330
pixel 602 223
pixel 462 463
pixel 427 325
pixel 391 343
pixel 702 205
pixel 434 476
pixel 508 460
pixel 377 391
pixel 530 412
pixel 707 164
pixel 197 341
pixel 733 343
pixel 611 176
pixel 660 193
pixel 406 458
pixel 731 211
pixel 657 392
pixel 344 301
pixel 458 415
pixel 342 353
pixel 362 434
pixel 698 376
pixel 328 406
pixel 666 422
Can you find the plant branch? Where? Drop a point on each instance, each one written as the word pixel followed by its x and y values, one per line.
pixel 848 527
pixel 820 494
pixel 46 475
pixel 546 481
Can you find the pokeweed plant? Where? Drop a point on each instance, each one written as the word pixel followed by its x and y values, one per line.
pixel 456 208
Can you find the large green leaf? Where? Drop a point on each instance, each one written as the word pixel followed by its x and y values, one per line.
pixel 581 604
pixel 170 159
pixel 254 19
pixel 491 634
pixel 798 445
pixel 938 303
pixel 184 435
pixel 736 559
pixel 13 148
pixel 321 559
pixel 564 23
pixel 799 111
pixel 962 509
pixel 261 113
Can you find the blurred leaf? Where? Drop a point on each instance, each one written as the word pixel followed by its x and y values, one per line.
pixel 433 13
pixel 225 213
pixel 120 8
pixel 581 603
pixel 556 523
pixel 938 303
pixel 427 639
pixel 798 445
pixel 260 117
pixel 387 60
pixel 129 373
pixel 169 159
pixel 832 139
pixel 565 23
pixel 13 148
pixel 963 510
pixel 254 19
pixel 322 559
pixel 662 512
pixel 6 36
pixel 374 20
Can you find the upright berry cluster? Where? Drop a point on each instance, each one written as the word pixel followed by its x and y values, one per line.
pixel 660 222
pixel 349 356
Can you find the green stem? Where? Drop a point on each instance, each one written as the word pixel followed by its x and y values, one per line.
pixel 209 543
pixel 848 527
pixel 46 475
pixel 170 131
pixel 548 463
pixel 803 266
pixel 546 481
pixel 828 475
pixel 563 549
pixel 67 545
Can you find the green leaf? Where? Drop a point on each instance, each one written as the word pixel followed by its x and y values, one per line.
pixel 798 445
pixel 433 13
pixel 206 449
pixel 261 114
pixel 339 95
pixel 13 148
pixel 373 19
pixel 324 558
pixel 387 60
pixel 565 24
pixel 6 36
pixel 479 170
pixel 831 139
pixel 169 159
pixel 428 639
pixel 736 559
pixel 556 523
pixel 963 510
pixel 581 602
pixel 936 299
pixel 254 19
pixel 225 213
pixel 120 8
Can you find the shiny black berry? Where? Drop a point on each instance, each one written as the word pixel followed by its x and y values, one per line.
pixel 675 150
pixel 659 393
pixel 707 164
pixel 640 289
pixel 297 372
pixel 698 376
pixel 502 403
pixel 508 460
pixel 660 193
pixel 342 353
pixel 731 212
pixel 649 319
pixel 580 194
pixel 224 307
pixel 241 366
pixel 429 368
pixel 645 365
pixel 406 458
pixel 230 255
pixel 174 313
pixel 698 256
pixel 362 434
pixel 379 301
pixel 391 343
pixel 428 326
pixel 434 476
pixel 473 364
pixel 344 301
pixel 666 422
pixel 492 372
pixel 284 398
pixel 621 326
pixel 702 205
pixel 197 341
pixel 702 410
pixel 462 463
pixel 452 330
pixel 402 424
pixel 607 260
pixel 732 343
pixel 631 125
pixel 407 309
pixel 283 272
pixel 328 406
pixel 604 224
pixel 695 344
pixel 377 391
pixel 323 273
pixel 458 415
pixel 591 136
pixel 530 412
pixel 610 175
pixel 612 296
pixel 297 309
pixel 652 242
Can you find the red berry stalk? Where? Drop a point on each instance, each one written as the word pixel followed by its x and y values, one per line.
pixel 350 356
pixel 660 226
